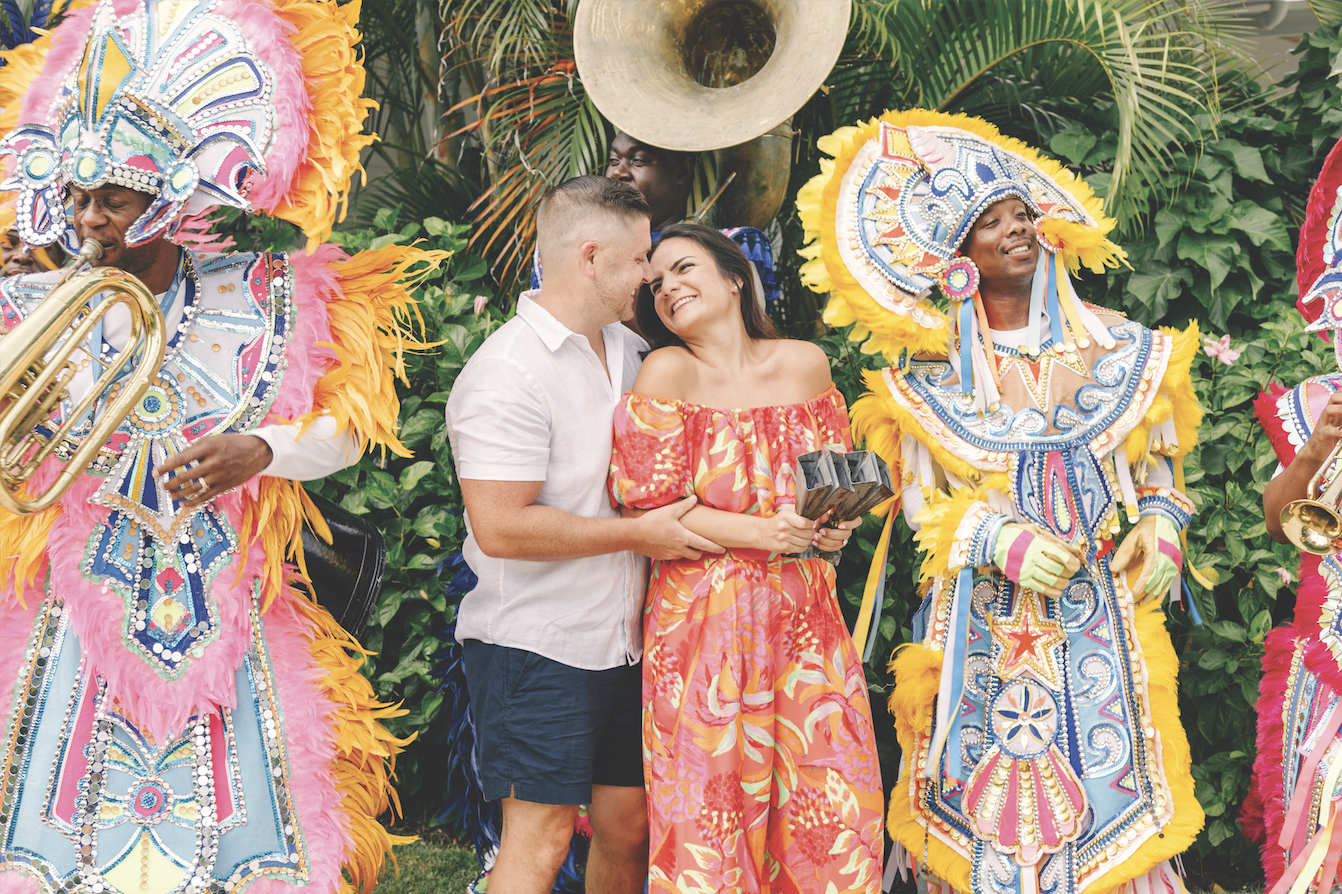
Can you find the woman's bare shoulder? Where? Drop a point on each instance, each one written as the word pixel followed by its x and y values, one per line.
pixel 804 362
pixel 666 373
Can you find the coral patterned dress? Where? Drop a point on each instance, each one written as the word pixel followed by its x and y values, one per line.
pixel 758 749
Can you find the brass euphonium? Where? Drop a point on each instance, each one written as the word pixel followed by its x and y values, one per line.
pixel 1315 526
pixel 39 362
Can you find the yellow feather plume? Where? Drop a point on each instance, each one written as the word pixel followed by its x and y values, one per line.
pixel 373 323
pixel 325 37
pixel 880 419
pixel 23 549
pixel 365 750
pixel 1175 398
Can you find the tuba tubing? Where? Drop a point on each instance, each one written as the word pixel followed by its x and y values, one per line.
pixel 39 365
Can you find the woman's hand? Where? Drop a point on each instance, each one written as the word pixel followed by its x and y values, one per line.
pixel 831 538
pixel 786 532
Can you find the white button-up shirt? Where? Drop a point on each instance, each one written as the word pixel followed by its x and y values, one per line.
pixel 535 404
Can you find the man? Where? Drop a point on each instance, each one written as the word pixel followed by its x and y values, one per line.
pixel 186 719
pixel 17 258
pixel 665 179
pixel 1036 707
pixel 1290 810
pixel 552 632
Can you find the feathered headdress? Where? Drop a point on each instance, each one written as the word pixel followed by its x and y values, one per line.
pixel 1318 259
pixel 886 217
pixel 200 103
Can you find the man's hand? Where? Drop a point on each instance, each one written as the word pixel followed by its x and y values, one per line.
pixel 1156 540
pixel 662 536
pixel 1035 559
pixel 1327 431
pixel 212 465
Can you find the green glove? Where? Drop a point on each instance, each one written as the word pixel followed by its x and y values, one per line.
pixel 1034 559
pixel 1156 540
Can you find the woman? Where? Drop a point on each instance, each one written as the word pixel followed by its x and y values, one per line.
pixel 759 753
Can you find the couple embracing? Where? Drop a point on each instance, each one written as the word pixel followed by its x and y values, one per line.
pixel 713 714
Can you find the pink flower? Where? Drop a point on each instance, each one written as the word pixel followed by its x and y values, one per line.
pixel 1286 576
pixel 482 300
pixel 1221 350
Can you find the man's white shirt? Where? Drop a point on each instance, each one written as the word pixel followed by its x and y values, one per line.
pixel 535 404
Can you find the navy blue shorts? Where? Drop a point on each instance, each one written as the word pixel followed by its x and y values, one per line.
pixel 546 732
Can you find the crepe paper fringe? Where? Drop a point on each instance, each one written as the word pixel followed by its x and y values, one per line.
pixel 374 321
pixel 1309 259
pixel 309 188
pixel 880 419
pixel 1265 408
pixel 309 46
pixel 1264 811
pixel 917 671
pixel 1175 398
pixel 23 554
pixel 879 329
pixel 98 617
pixel 364 750
pixel 939 518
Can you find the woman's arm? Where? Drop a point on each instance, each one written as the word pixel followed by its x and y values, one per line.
pixel 1292 483
pixel 786 532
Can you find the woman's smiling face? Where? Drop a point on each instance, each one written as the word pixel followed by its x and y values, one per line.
pixel 687 288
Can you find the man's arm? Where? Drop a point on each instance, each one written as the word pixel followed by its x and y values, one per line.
pixel 1292 483
pixel 508 524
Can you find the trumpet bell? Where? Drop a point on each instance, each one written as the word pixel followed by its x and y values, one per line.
pixel 697 75
pixel 1312 526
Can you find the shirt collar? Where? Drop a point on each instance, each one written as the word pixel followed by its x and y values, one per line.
pixel 551 331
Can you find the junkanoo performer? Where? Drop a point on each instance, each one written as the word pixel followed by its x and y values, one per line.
pixel 176 717
pixel 1036 707
pixel 1292 806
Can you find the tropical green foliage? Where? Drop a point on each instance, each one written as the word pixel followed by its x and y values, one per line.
pixel 1155 62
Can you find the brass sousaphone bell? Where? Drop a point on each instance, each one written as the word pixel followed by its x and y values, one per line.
pixel 40 358
pixel 1315 525
pixel 723 75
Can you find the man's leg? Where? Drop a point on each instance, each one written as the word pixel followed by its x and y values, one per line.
pixel 618 860
pixel 532 847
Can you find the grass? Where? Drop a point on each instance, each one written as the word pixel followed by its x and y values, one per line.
pixel 429 868
pixel 438 867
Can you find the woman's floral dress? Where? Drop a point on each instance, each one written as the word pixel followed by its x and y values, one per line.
pixel 758 749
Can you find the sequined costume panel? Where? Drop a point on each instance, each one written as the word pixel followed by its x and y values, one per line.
pixel 1045 764
pixel 170 730
pixel 759 753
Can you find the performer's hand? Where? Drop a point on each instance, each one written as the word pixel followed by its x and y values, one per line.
pixel 1035 559
pixel 212 465
pixel 664 537
pixel 831 538
pixel 1327 431
pixel 786 532
pixel 1156 540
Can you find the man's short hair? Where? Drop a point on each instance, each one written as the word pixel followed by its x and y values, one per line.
pixel 580 208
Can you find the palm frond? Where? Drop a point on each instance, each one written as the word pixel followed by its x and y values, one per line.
pixel 1155 60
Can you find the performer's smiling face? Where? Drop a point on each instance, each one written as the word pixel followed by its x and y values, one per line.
pixel 1005 247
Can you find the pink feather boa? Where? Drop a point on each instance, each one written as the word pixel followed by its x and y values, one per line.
pixel 311 736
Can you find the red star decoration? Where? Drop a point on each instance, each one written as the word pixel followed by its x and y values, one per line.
pixel 1028 640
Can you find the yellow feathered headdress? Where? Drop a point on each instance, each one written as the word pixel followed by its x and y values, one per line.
pixel 885 219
